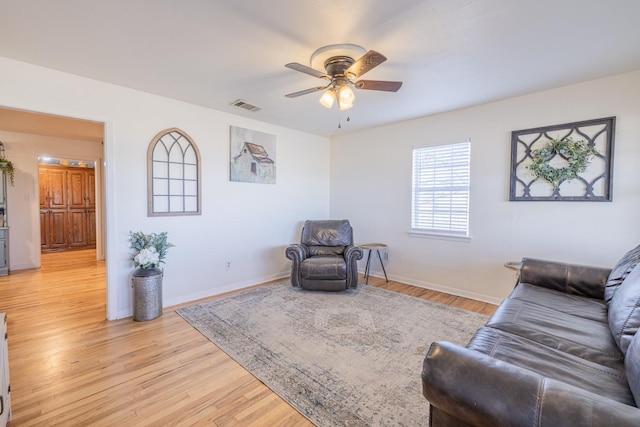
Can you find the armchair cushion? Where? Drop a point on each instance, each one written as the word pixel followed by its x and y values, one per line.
pixel 326 250
pixel 327 233
pixel 324 268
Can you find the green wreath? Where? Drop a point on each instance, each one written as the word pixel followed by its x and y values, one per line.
pixel 577 153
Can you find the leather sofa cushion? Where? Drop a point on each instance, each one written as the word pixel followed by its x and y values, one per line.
pixel 620 271
pixel 624 310
pixel 326 250
pixel 606 381
pixel 581 337
pixel 632 367
pixel 326 233
pixel 588 308
pixel 324 268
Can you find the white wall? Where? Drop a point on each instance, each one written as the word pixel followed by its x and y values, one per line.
pixel 247 224
pixel 22 198
pixel 371 185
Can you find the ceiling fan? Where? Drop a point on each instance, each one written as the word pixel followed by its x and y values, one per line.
pixel 341 73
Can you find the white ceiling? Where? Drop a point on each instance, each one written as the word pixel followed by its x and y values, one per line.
pixel 449 53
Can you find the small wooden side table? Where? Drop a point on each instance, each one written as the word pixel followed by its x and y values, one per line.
pixel 513 265
pixel 374 247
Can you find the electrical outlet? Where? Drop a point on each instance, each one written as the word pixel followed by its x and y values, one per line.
pixel 227 265
pixel 386 256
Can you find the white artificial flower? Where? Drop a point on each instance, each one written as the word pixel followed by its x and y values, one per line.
pixel 147 257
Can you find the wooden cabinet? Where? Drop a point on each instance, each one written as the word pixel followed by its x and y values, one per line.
pixel 5 387
pixel 67 208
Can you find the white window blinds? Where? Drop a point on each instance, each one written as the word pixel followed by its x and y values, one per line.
pixel 440 202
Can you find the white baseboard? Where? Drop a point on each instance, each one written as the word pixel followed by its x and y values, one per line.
pixel 223 289
pixel 210 293
pixel 27 266
pixel 440 288
pixel 284 275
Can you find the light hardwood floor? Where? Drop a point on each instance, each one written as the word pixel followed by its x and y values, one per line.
pixel 69 366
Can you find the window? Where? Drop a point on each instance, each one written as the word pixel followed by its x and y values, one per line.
pixel 174 174
pixel 440 202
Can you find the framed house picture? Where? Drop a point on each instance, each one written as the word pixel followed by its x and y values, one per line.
pixel 252 156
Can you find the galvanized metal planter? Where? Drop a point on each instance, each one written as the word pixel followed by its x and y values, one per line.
pixel 147 294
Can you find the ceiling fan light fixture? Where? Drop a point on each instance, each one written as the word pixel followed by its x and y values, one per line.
pixel 328 98
pixel 345 97
pixel 341 71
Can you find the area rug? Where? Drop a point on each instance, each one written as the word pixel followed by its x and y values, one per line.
pixel 351 358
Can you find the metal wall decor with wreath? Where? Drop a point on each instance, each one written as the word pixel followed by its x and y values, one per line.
pixel 570 162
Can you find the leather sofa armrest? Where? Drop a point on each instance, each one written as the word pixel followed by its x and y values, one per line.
pixel 481 391
pixel 296 253
pixel 353 253
pixel 574 279
pixel 351 256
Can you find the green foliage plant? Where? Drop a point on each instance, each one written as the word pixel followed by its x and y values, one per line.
pixel 578 155
pixel 7 166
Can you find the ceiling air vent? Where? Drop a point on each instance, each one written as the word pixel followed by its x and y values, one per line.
pixel 245 105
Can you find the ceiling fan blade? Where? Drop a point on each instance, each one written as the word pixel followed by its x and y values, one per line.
pixel 304 92
pixel 366 63
pixel 378 85
pixel 307 70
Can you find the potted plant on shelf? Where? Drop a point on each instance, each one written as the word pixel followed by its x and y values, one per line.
pixel 7 166
pixel 150 251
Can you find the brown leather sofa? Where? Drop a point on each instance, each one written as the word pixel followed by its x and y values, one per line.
pixel 561 350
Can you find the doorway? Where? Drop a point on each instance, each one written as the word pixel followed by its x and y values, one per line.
pixel 67 199
pixel 29 135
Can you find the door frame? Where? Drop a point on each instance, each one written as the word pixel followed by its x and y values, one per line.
pixel 107 216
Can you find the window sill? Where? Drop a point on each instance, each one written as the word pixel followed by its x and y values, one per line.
pixel 438 236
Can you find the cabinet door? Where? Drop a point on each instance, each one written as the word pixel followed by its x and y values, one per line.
pixel 57 180
pixel 58 226
pixel 91 228
pixel 43 183
pixel 77 228
pixel 44 229
pixel 77 189
pixel 91 189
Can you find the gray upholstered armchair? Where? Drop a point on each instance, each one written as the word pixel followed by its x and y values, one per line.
pixel 326 258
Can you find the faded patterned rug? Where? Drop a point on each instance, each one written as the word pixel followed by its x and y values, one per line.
pixel 350 358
